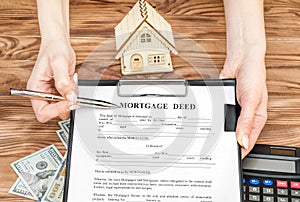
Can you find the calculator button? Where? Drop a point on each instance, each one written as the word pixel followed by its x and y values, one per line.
pixel 282 199
pixel 282 192
pixel 268 182
pixel 268 199
pixel 295 192
pixel 254 197
pixel 244 188
pixel 268 190
pixel 254 181
pixel 281 184
pixel 295 199
pixel 295 185
pixel 254 189
pixel 244 180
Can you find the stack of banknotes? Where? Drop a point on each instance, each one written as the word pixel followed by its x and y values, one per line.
pixel 42 174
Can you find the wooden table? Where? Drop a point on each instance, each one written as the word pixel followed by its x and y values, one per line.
pixel 92 22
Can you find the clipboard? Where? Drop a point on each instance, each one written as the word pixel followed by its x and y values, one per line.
pixel 128 88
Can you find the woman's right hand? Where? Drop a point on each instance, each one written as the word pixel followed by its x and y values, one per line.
pixel 54 73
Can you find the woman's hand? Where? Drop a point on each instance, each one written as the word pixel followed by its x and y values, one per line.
pixel 245 61
pixel 54 73
pixel 55 66
pixel 252 96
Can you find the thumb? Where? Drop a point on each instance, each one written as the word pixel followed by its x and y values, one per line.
pixel 246 123
pixel 63 82
pixel 226 74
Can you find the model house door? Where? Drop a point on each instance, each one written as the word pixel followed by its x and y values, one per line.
pixel 136 62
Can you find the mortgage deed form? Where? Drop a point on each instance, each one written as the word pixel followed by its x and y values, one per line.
pixel 154 148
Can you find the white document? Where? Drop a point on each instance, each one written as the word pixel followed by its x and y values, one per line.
pixel 158 149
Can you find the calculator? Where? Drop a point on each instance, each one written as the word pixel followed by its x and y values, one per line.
pixel 271 174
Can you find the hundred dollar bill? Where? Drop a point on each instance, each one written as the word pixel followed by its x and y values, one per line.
pixel 37 170
pixel 65 125
pixel 18 188
pixel 63 136
pixel 55 191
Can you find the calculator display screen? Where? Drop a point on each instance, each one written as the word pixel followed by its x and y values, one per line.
pixel 282 152
pixel 269 165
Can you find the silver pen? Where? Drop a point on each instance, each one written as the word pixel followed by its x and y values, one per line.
pixel 88 102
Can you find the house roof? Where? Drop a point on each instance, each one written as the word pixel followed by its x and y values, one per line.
pixel 143 12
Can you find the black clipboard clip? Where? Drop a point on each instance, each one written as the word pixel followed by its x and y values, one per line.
pixel 156 88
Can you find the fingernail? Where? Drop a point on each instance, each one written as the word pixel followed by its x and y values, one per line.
pixel 75 78
pixel 72 97
pixel 74 107
pixel 245 142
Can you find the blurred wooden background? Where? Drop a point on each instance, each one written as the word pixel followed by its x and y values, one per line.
pixel 92 23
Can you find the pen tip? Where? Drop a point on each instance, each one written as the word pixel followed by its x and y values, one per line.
pixel 117 106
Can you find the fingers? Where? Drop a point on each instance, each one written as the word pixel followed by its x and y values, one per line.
pixel 247 115
pixel 64 83
pixel 65 115
pixel 259 122
pixel 246 122
pixel 255 132
pixel 53 73
pixel 45 111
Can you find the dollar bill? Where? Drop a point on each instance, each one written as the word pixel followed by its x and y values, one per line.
pixel 18 188
pixel 65 125
pixel 55 191
pixel 38 169
pixel 63 136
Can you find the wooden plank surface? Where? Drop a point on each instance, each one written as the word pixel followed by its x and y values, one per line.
pixel 92 23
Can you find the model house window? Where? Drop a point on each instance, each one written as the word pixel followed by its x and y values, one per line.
pixel 145 37
pixel 158 59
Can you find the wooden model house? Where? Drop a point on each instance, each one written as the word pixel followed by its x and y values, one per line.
pixel 144 41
